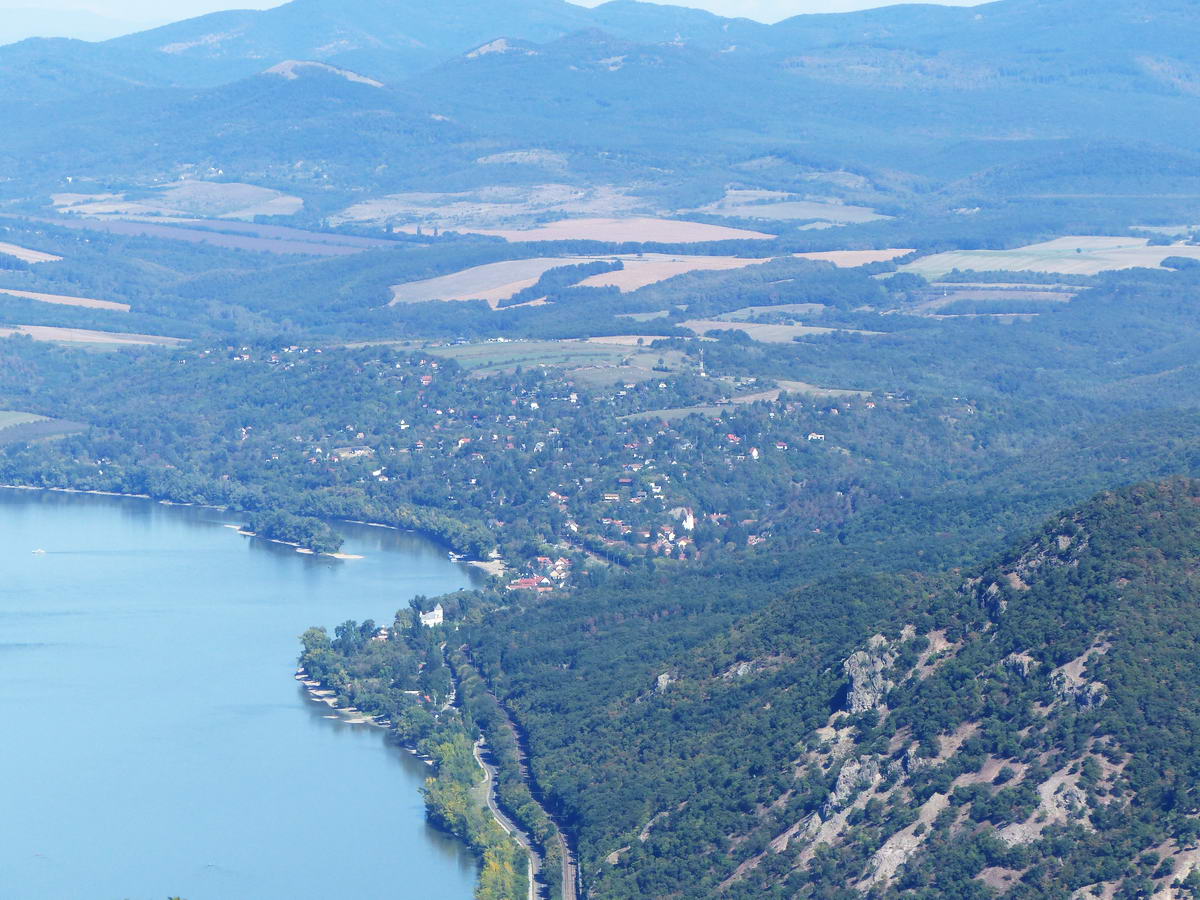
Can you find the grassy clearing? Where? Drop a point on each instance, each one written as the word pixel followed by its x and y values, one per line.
pixel 1078 255
pixel 778 206
pixel 591 364
pixel 749 312
pixel 9 418
pixel 766 334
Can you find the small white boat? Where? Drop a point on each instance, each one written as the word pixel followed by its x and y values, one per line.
pixel 39 552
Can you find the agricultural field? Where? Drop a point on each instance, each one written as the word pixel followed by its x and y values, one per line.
pixel 9 418
pixel 219 200
pixel 26 255
pixel 61 300
pixel 492 206
pixel 651 268
pixel 17 427
pixel 496 282
pixel 766 334
pixel 107 339
pixel 942 295
pixel 638 229
pixel 592 363
pixel 781 206
pixel 258 239
pixel 492 283
pixel 1081 255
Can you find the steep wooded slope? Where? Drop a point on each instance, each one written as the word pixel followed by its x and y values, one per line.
pixel 1033 732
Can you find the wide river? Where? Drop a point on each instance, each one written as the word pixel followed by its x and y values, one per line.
pixel 157 744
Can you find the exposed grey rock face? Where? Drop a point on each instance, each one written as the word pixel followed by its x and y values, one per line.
pixel 856 776
pixel 664 681
pixel 1020 663
pixel 1084 694
pixel 866 670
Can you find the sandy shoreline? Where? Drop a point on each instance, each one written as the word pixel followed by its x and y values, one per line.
pixel 347 714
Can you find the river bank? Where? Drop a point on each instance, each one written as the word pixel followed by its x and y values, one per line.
pixel 495 568
pixel 248 739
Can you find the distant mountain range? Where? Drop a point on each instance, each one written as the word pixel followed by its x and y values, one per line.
pixel 18 23
pixel 628 91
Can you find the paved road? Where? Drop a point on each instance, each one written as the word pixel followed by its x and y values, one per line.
pixel 489 785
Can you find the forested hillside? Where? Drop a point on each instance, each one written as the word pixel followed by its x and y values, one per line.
pixel 1032 731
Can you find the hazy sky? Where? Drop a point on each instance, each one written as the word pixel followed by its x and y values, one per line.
pixel 145 11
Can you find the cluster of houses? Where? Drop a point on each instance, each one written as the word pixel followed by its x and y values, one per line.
pixel 548 575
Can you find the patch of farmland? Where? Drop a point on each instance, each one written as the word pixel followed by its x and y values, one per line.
pixel 62 300
pixel 312 245
pixel 26 255
pixel 286 233
pixel 489 358
pixel 9 418
pixel 492 206
pixel 496 282
pixel 222 200
pixel 852 259
pixel 779 206
pixel 941 295
pixel 766 334
pixel 492 282
pixel 85 336
pixel 636 230
pixel 629 340
pixel 1078 255
pixel 18 427
pixel 652 268
pixel 588 363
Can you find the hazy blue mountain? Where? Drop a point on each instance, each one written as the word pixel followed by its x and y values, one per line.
pixel 19 23
pixel 1018 97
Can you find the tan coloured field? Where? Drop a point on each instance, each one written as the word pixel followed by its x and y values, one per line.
pixel 766 334
pixel 638 229
pixel 852 259
pixel 1078 255
pixel 655 267
pixel 493 282
pixel 496 282
pixel 84 336
pixel 61 300
pixel 26 255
